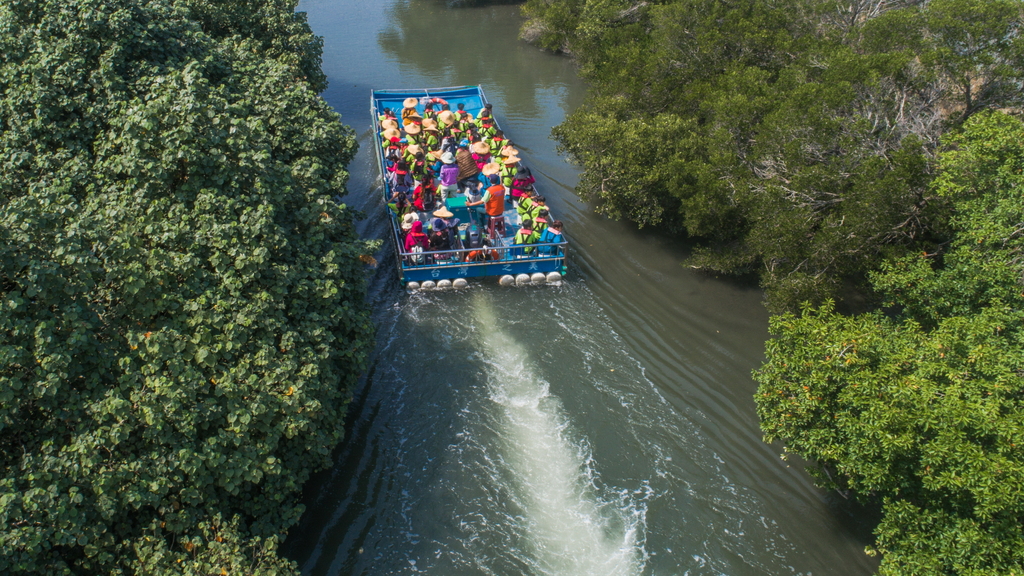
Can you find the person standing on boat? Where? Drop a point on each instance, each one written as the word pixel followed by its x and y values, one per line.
pixel 409 110
pixel 449 176
pixel 467 167
pixel 493 200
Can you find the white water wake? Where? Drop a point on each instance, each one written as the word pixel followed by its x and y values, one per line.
pixel 572 530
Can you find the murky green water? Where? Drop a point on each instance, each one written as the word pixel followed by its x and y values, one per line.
pixel 605 427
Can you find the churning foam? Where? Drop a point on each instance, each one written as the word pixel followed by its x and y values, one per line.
pixel 572 530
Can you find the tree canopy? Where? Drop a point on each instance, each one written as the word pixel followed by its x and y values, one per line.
pixel 795 139
pixel 182 298
pixel 921 405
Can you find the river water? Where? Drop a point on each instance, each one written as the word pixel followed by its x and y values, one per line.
pixel 605 427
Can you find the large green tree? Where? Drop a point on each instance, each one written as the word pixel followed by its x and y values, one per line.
pixel 182 317
pixel 796 139
pixel 922 405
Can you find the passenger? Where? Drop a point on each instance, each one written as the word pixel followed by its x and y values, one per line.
pixel 552 235
pixel 409 110
pixel 536 205
pixel 526 235
pixel 509 169
pixel 423 196
pixel 540 223
pixel 428 112
pixel 451 225
pixel 386 114
pixel 508 150
pixel 418 168
pixel 413 133
pixel 388 124
pixel 434 164
pixel 401 179
pixel 488 110
pixel 493 200
pixel 481 154
pixel 431 137
pixel 407 221
pixel 449 176
pixel 400 204
pixel 438 239
pixel 522 184
pixel 416 237
pixel 497 143
pixel 462 114
pixel 390 136
pixel 467 167
pixel 446 119
pixel 489 169
pixel 411 151
pixel 487 128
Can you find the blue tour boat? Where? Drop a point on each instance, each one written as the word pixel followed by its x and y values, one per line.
pixel 452 268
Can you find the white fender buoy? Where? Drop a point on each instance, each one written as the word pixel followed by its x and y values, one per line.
pixel 413 285
pixel 507 280
pixel 522 279
pixel 428 285
pixel 554 277
pixel 442 284
pixel 538 278
pixel 460 283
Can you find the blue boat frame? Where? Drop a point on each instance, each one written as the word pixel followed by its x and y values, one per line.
pixel 505 259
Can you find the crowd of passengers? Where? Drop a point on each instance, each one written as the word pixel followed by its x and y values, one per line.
pixel 444 153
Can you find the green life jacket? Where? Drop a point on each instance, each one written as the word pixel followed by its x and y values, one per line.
pixel 530 238
pixel 508 174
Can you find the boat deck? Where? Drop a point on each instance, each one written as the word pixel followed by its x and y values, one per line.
pixel 501 258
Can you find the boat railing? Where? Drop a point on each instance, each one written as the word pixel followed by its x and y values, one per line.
pixel 490 255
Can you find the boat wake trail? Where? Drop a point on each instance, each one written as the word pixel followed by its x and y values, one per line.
pixel 564 523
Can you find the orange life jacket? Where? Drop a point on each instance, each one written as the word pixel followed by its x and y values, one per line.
pixel 496 205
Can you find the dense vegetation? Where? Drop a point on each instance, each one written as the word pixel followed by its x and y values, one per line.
pixel 796 139
pixel 922 406
pixel 181 317
pixel 828 143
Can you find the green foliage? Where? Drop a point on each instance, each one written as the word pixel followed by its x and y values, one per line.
pixel 796 139
pixel 923 407
pixel 182 317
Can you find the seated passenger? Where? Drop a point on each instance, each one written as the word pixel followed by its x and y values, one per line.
pixel 487 128
pixel 509 168
pixel 416 237
pixel 431 137
pixel 409 110
pixel 451 226
pixel 540 223
pixel 400 204
pixel 481 154
pixel 553 234
pixel 423 196
pixel 526 235
pixel 487 110
pixel 522 184
pixel 401 180
pixel 428 111
pixel 439 239
pixel 497 142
